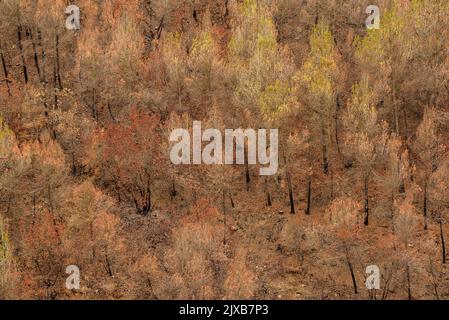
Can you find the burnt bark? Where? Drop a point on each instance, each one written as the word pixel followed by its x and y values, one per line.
pixel 22 54
pixel 290 194
pixel 443 245
pixel 5 71
pixel 309 195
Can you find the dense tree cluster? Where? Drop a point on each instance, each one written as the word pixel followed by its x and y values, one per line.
pixel 85 171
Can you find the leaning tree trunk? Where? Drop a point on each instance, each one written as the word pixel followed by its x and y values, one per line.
pixel 351 270
pixel 5 71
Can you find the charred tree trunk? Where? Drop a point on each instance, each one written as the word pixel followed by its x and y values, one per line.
pixel 337 142
pixel 309 195
pixel 425 207
pixel 173 192
pixel 290 193
pixel 324 146
pixel 55 94
pixel 44 57
pixel 94 105
pixel 110 112
pixel 232 201
pixel 443 245
pixel 224 216
pixel 366 193
pixel 247 176
pixel 22 54
pixel 35 56
pixel 58 63
pixel 5 71
pixel 409 289
pixel 351 270
pixel 267 192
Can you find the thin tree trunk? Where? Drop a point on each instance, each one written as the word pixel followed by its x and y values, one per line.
pixel 366 192
pixel 354 282
pixel 110 112
pixel 232 201
pixel 290 193
pixel 247 176
pixel 173 192
pixel 55 95
pixel 409 289
pixel 324 146
pixel 94 105
pixel 44 57
pixel 309 195
pixel 58 64
pixel 224 216
pixel 5 71
pixel 267 191
pixel 404 111
pixel 443 245
pixel 35 56
pixel 395 109
pixel 336 125
pixel 107 264
pixel 425 206
pixel 22 54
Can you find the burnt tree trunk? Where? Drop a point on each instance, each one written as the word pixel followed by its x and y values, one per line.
pixel 351 270
pixel 324 147
pixel 425 207
pixel 366 193
pixel 409 289
pixel 247 176
pixel 267 191
pixel 44 57
pixel 5 71
pixel 35 56
pixel 290 193
pixel 336 124
pixel 224 216
pixel 22 54
pixel 232 201
pixel 309 195
pixel 443 245
pixel 58 63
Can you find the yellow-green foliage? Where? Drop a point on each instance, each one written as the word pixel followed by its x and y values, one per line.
pixel 361 114
pixel 261 68
pixel 202 56
pixel 202 45
pixel 379 45
pixel 7 139
pixel 5 258
pixel 319 67
pixel 275 100
pixel 255 33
